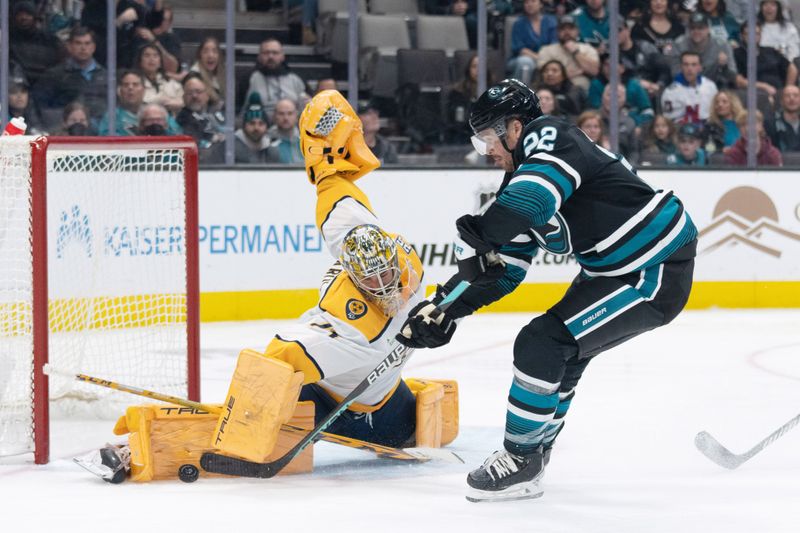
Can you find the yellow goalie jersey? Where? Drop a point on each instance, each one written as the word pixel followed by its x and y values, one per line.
pixel 340 341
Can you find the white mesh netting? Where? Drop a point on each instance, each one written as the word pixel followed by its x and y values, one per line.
pixel 16 340
pixel 116 276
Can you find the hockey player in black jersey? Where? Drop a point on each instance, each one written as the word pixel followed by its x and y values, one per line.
pixel 565 195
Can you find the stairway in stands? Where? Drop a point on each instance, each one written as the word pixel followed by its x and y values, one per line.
pixel 196 19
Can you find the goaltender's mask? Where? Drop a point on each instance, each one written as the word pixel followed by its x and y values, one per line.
pixel 332 139
pixel 369 256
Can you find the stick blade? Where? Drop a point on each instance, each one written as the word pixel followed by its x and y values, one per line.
pixel 223 464
pixel 716 452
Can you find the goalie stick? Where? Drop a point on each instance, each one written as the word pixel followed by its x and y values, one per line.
pixel 223 464
pixel 711 448
pixel 386 452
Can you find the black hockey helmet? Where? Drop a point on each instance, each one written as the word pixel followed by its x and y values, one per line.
pixel 508 99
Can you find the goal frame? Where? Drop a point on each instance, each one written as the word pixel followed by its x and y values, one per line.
pixel 40 321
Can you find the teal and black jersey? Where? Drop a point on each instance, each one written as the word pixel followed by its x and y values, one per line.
pixel 576 197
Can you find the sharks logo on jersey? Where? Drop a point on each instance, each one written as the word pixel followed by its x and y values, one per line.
pixel 554 235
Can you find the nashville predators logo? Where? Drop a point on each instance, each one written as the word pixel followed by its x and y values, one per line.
pixel 355 309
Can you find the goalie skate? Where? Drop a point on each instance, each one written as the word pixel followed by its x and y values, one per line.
pixel 110 463
pixel 507 477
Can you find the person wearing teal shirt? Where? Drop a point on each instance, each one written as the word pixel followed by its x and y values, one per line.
pixel 689 152
pixel 130 96
pixel 285 135
pixel 592 21
pixel 640 109
pixel 721 129
pixel 530 32
pixel 723 25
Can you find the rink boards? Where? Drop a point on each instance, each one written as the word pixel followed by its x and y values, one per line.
pixel 262 257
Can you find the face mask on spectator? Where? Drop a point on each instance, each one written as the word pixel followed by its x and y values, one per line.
pixel 77 129
pixel 155 130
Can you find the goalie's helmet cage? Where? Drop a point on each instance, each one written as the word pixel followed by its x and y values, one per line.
pixel 508 99
pixel 369 255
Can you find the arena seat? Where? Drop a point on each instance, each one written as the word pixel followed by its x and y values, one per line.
pixel 380 36
pixel 448 33
pixel 332 28
pixel 507 26
pixel 791 159
pixel 653 159
pixel 333 6
pixel 717 159
pixel 763 102
pixel 423 67
pixel 495 64
pixel 384 32
pixel 394 7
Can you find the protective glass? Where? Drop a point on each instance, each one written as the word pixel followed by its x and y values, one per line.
pixel 490 138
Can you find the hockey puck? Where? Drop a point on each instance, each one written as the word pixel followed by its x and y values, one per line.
pixel 111 458
pixel 188 473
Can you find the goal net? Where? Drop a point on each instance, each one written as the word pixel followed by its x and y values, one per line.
pixel 98 275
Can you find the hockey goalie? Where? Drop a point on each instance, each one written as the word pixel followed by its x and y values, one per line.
pixel 312 364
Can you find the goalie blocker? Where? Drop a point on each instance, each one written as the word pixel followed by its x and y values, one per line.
pixel 262 396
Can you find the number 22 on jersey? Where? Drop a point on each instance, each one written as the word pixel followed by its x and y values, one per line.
pixel 543 140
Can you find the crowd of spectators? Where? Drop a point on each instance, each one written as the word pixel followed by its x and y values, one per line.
pixel 58 83
pixel 683 73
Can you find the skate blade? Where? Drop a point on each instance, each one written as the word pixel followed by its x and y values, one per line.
pixel 524 491
pixel 426 454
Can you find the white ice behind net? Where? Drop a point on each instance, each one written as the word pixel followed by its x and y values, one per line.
pixel 117 283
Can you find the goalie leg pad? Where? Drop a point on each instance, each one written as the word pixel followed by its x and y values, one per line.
pixel 165 437
pixel 261 397
pixel 437 411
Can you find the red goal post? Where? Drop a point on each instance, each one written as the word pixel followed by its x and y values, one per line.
pixel 112 260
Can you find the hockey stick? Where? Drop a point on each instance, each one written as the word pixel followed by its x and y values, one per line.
pixel 386 452
pixel 711 448
pixel 223 464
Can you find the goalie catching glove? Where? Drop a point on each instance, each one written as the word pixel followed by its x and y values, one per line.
pixel 427 326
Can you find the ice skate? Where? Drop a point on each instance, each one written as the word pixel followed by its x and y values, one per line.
pixel 506 477
pixel 110 463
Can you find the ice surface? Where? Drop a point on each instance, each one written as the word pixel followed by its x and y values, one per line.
pixel 625 461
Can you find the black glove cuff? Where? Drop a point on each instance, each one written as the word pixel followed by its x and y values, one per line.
pixel 469 232
pixel 472 267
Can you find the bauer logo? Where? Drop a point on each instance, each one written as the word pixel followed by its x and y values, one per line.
pixel 74 230
pixel 746 218
pixel 394 360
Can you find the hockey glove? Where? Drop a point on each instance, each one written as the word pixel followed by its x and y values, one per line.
pixel 480 269
pixel 427 326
